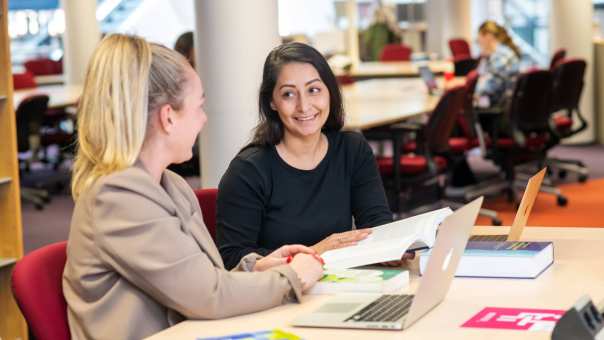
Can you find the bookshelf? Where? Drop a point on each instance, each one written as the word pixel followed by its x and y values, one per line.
pixel 12 324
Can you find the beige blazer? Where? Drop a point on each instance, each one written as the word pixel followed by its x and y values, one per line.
pixel 140 259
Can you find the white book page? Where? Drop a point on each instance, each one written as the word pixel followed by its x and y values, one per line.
pixel 389 241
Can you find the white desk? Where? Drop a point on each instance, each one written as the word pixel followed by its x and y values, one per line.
pixel 59 95
pixel 379 102
pixel 577 270
pixel 394 69
pixel 51 79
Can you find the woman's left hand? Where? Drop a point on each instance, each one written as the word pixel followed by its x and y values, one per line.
pixel 279 256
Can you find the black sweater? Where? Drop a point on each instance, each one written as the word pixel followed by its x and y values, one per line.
pixel 264 203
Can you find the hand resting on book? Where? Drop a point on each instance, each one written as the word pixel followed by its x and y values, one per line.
pixel 341 240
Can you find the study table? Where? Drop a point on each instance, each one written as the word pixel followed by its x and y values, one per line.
pixel 380 102
pixel 59 96
pixel 577 270
pixel 51 79
pixel 393 69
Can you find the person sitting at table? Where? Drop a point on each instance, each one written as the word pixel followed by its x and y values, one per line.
pixel 301 179
pixel 184 45
pixel 139 258
pixel 498 67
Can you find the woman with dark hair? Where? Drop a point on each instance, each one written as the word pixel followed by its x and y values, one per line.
pixel 300 178
pixel 184 46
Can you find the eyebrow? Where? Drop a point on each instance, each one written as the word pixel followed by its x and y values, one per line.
pixel 307 83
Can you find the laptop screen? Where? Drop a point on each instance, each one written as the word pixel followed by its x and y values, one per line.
pixel 428 78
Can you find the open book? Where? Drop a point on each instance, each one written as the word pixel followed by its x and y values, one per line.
pixel 389 242
pixel 365 280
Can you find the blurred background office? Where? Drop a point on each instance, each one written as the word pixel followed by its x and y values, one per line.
pixel 51 41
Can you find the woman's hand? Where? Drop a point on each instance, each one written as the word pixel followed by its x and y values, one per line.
pixel 279 256
pixel 308 268
pixel 398 263
pixel 341 240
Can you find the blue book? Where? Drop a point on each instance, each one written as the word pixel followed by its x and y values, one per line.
pixel 526 260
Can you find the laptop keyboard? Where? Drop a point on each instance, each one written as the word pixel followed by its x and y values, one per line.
pixel 387 308
pixel 499 238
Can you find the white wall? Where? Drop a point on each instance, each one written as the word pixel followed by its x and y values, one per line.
pixel 161 21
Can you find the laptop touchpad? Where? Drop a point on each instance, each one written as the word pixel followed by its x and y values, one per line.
pixel 338 307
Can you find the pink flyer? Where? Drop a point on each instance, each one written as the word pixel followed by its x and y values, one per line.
pixel 515 318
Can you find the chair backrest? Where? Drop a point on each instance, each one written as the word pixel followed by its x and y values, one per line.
pixel 557 57
pixel 396 52
pixel 24 80
pixel 30 114
pixel 43 66
pixel 37 287
pixel 530 104
pixel 568 81
pixel 459 47
pixel 464 65
pixel 207 203
pixel 442 120
pixel 466 119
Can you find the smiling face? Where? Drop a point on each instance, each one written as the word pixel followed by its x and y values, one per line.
pixel 301 99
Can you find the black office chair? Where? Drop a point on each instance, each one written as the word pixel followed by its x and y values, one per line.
pixel 421 168
pixel 557 57
pixel 523 135
pixel 566 93
pixel 30 115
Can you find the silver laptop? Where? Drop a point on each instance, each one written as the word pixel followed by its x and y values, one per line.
pixel 522 214
pixel 430 80
pixel 397 311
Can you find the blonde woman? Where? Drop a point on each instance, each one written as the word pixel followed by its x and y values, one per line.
pixel 139 258
pixel 499 64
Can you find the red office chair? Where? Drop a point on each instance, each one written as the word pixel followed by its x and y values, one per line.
pixel 395 52
pixel 24 80
pixel 425 163
pixel 43 66
pixel 557 57
pixel 459 47
pixel 566 94
pixel 37 287
pixel 207 202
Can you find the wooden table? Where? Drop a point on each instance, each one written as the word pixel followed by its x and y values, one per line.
pixel 577 270
pixel 60 96
pixel 394 69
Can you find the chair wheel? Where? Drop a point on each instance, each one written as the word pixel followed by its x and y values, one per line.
pixel 562 174
pixel 582 178
pixel 562 201
pixel 496 221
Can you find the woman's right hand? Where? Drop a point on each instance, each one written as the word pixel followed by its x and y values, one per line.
pixel 341 240
pixel 308 268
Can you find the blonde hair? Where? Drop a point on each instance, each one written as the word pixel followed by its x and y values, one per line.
pixel 127 79
pixel 500 33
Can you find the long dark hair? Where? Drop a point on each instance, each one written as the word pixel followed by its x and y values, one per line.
pixel 269 130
